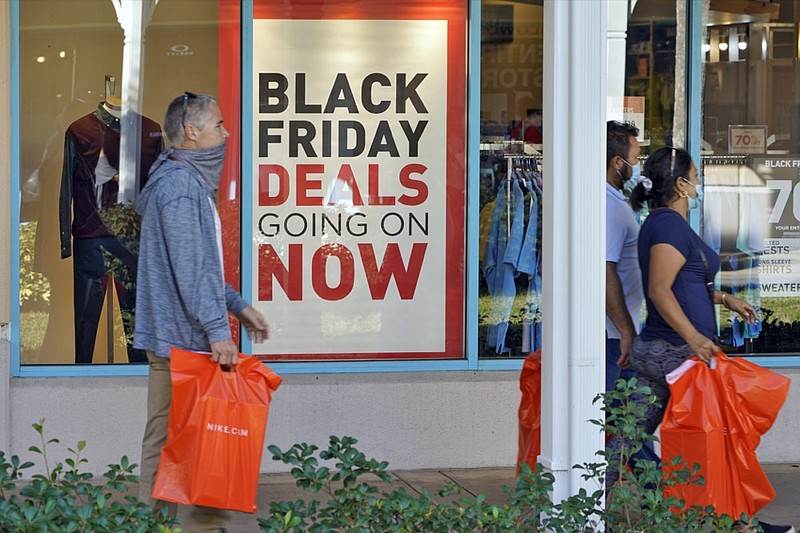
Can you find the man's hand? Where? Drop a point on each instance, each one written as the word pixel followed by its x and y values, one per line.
pixel 224 352
pixel 254 324
pixel 625 342
pixel 617 311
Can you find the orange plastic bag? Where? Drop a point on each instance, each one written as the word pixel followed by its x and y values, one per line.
pixel 530 410
pixel 715 417
pixel 215 437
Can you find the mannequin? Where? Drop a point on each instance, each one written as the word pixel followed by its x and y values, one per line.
pixel 113 104
pixel 89 183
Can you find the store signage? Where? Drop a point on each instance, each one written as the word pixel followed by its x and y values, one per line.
pixel 628 109
pixel 747 139
pixel 633 113
pixel 356 198
pixel 775 207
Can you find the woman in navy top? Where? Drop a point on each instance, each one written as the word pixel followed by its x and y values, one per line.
pixel 676 267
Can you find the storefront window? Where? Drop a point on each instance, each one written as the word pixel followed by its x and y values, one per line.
pixel 751 157
pixel 644 72
pixel 650 61
pixel 95 81
pixel 509 291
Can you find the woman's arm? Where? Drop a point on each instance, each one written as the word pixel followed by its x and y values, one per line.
pixel 665 263
pixel 732 303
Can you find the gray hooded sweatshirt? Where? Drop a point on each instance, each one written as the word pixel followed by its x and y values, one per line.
pixel 181 297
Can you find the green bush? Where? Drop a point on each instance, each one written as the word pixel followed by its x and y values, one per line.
pixel 63 499
pixel 34 289
pixel 635 503
pixel 125 223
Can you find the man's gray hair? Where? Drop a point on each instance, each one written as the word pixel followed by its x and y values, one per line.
pixel 188 108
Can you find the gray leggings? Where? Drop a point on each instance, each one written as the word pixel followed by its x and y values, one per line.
pixel 652 361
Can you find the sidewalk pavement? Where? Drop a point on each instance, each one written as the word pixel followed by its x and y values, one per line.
pixel 784 509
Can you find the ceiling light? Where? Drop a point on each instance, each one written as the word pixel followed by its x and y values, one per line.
pixel 706 48
pixel 723 46
pixel 40 59
pixel 742 45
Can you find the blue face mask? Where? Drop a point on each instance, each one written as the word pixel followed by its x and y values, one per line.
pixel 696 202
pixel 636 172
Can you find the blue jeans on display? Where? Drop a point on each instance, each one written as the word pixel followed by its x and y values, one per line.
pixel 613 373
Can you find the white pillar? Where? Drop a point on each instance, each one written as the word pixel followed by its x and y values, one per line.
pixel 134 17
pixel 573 238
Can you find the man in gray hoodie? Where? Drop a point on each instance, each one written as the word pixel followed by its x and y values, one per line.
pixel 182 299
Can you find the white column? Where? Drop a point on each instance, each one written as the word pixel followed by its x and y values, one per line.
pixel 573 237
pixel 133 16
pixel 617 33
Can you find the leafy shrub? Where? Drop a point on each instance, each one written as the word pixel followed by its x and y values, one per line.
pixel 125 223
pixel 34 289
pixel 63 499
pixel 635 503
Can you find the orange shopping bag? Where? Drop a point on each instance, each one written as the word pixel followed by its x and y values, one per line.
pixel 215 438
pixel 530 410
pixel 715 417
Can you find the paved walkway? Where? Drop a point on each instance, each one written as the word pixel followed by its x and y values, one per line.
pixel 785 509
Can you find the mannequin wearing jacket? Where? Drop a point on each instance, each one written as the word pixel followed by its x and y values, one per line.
pixel 88 183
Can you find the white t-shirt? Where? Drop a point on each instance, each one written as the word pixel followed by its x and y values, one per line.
pixel 218 230
pixel 622 235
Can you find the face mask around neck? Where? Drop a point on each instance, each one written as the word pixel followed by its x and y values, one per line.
pixel 207 161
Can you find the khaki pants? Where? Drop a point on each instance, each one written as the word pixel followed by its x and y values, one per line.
pixel 159 397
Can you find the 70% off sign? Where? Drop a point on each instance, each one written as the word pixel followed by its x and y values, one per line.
pixel 747 139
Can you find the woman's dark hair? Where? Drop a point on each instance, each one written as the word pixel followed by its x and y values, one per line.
pixel 662 168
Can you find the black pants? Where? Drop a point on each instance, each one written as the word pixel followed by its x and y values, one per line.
pixel 89 268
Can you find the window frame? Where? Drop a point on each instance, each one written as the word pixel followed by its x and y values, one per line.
pixel 470 361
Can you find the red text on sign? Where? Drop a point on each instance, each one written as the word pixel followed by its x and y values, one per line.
pixel 290 275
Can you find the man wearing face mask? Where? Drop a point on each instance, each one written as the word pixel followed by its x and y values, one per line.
pixel 182 297
pixel 624 294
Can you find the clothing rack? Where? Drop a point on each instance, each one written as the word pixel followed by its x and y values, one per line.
pixel 511 147
pixel 724 159
pixel 535 157
pixel 522 173
pixel 536 164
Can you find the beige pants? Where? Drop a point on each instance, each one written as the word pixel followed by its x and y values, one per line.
pixel 159 396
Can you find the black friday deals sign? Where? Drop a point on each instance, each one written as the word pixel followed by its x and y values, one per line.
pixel 350 187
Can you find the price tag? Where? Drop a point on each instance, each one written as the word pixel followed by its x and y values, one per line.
pixel 747 139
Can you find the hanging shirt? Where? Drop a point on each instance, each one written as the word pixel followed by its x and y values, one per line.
pixel 506 237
